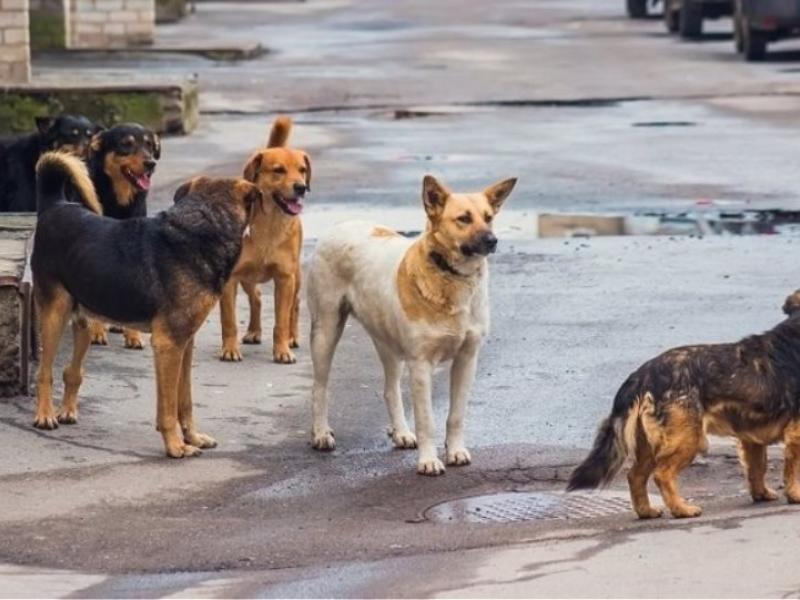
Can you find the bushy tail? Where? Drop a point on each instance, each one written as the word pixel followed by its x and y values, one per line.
pixel 610 448
pixel 53 171
pixel 281 129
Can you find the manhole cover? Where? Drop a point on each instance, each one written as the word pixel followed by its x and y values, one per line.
pixel 512 507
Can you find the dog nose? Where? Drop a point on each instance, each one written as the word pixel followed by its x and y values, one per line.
pixel 299 189
pixel 489 241
pixel 150 165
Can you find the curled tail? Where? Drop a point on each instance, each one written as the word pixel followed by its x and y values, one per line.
pixel 53 171
pixel 610 447
pixel 279 136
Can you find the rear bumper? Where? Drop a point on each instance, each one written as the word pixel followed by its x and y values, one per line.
pixel 773 15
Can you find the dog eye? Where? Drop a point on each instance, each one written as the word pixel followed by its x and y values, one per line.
pixel 75 132
pixel 303 170
pixel 279 169
pixel 488 218
pixel 466 218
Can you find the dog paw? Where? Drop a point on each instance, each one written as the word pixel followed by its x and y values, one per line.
pixel 687 511
pixel 230 354
pixel 283 356
pixel 201 440
pixel 183 451
pixel 650 513
pixel 430 466
pixel 134 342
pixel 324 441
pixel 403 439
pixel 99 338
pixel 68 416
pixel 765 495
pixel 458 457
pixel 252 337
pixel 45 420
pixel 793 495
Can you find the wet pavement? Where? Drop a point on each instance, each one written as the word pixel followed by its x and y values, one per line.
pixel 594 114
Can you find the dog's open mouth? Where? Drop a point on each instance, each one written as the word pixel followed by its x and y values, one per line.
pixel 291 206
pixel 142 182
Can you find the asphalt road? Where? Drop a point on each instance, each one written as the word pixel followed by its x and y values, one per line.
pixel 94 509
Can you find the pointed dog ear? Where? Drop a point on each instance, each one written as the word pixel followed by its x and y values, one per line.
pixel 43 124
pixel 182 191
pixel 497 193
pixel 252 167
pixel 307 160
pixel 434 196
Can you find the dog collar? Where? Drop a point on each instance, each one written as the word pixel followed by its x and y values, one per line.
pixel 441 262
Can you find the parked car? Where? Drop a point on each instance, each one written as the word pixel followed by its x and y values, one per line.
pixel 637 9
pixel 758 22
pixel 686 16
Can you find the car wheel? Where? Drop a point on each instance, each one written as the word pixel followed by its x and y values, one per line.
pixel 754 44
pixel 637 9
pixel 691 20
pixel 671 17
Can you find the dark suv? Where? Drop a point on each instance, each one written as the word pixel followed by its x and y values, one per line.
pixel 758 22
pixel 686 16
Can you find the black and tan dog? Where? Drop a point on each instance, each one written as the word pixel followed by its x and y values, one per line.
pixel 18 157
pixel 749 390
pixel 162 274
pixel 122 160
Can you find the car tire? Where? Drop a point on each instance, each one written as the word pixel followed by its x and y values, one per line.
pixel 691 20
pixel 637 9
pixel 754 44
pixel 671 17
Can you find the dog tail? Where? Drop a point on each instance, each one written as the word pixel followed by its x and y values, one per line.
pixel 610 445
pixel 53 171
pixel 281 129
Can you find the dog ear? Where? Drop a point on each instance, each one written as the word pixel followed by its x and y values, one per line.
pixel 252 167
pixel 43 124
pixel 96 145
pixel 307 160
pixel 792 303
pixel 182 191
pixel 497 193
pixel 156 147
pixel 434 196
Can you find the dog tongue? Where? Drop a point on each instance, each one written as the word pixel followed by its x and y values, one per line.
pixel 294 207
pixel 143 182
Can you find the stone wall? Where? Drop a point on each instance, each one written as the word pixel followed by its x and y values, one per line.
pixel 15 54
pixel 110 23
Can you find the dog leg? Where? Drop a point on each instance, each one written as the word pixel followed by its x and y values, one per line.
pixel 427 462
pixel 462 374
pixel 284 299
pixel 227 309
pixel 791 462
pixel 133 339
pixel 754 460
pixel 399 430
pixel 294 328
pixel 99 332
pixel 52 317
pixel 640 472
pixel 168 356
pixel 326 330
pixel 73 373
pixel 253 291
pixel 185 417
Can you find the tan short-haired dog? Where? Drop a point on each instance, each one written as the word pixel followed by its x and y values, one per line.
pixel 271 251
pixel 422 301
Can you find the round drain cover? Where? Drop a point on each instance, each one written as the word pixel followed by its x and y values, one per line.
pixel 512 507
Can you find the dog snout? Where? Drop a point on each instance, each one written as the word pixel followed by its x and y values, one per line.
pixel 150 165
pixel 488 242
pixel 300 189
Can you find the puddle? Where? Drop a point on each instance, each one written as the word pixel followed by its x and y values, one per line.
pixel 515 507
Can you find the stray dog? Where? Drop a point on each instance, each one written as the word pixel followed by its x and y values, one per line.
pixel 272 250
pixel 18 157
pixel 422 302
pixel 121 162
pixel 749 390
pixel 162 274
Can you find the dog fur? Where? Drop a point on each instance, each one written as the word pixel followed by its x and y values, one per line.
pixel 18 157
pixel 749 390
pixel 272 250
pixel 162 274
pixel 122 160
pixel 422 302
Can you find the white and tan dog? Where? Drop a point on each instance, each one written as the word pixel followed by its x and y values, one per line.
pixel 422 301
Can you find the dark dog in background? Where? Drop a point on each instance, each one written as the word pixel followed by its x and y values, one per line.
pixel 163 274
pixel 122 160
pixel 749 390
pixel 18 157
